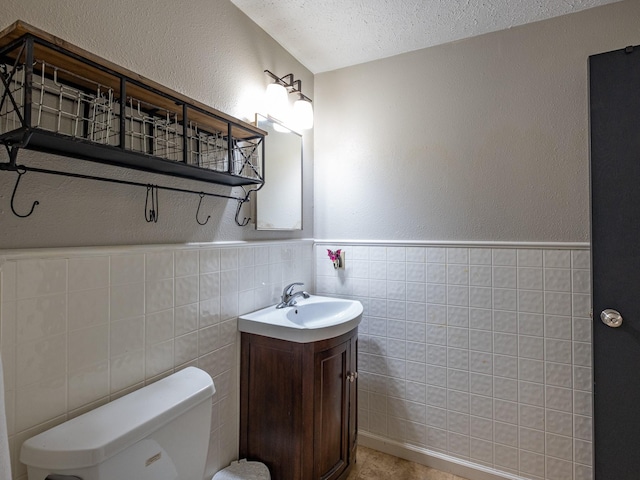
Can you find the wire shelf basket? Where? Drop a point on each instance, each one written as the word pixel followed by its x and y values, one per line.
pixel 60 107
pixel 208 150
pixel 152 130
pixel 211 151
pixel 246 159
pixel 10 111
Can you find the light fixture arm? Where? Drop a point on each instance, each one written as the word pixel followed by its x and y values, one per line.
pixel 287 80
pixel 297 88
pixel 290 83
pixel 281 80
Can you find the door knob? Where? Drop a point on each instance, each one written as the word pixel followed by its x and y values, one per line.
pixel 611 318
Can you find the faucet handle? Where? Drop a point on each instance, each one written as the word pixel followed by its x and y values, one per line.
pixel 289 288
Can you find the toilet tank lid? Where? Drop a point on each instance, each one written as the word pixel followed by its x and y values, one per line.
pixel 96 436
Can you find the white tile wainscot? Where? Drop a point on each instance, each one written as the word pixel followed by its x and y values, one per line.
pixel 473 358
pixel 80 327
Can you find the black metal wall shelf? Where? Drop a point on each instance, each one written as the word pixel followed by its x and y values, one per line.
pixel 49 142
pixel 58 98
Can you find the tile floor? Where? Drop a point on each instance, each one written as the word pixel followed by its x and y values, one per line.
pixel 375 465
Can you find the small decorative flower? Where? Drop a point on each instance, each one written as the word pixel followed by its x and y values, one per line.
pixel 335 257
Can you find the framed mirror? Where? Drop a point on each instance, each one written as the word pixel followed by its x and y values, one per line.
pixel 279 201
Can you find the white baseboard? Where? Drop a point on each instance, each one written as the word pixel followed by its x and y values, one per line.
pixel 439 461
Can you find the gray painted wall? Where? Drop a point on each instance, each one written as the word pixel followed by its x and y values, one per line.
pixel 207 50
pixel 482 139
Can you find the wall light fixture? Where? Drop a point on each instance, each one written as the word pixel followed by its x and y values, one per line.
pixel 278 105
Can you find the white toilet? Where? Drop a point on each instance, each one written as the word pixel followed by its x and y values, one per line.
pixel 160 432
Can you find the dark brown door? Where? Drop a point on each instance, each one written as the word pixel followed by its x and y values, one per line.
pixel 614 80
pixel 332 411
pixel 271 425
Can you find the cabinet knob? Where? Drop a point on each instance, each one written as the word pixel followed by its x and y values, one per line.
pixel 351 376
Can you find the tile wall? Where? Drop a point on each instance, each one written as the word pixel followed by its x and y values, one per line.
pixel 483 354
pixel 81 327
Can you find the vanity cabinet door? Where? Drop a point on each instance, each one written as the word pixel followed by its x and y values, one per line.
pixel 331 431
pixel 353 399
pixel 272 406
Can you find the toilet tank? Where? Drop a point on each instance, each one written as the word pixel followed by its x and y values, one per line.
pixel 159 432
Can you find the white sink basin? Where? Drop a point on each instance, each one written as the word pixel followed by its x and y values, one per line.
pixel 312 319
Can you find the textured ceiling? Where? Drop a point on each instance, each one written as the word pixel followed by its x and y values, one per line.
pixel 328 34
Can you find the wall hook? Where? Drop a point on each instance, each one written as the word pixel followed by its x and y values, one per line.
pixel 198 211
pixel 13 196
pixel 241 201
pixel 245 220
pixel 151 213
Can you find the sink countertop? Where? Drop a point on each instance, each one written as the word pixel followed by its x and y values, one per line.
pixel 310 320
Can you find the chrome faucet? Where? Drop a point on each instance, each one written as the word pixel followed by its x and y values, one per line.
pixel 288 298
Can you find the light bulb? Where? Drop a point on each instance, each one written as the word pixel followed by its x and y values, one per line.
pixel 303 114
pixel 277 101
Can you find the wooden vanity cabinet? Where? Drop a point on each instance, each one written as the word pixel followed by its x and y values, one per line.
pixel 298 406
